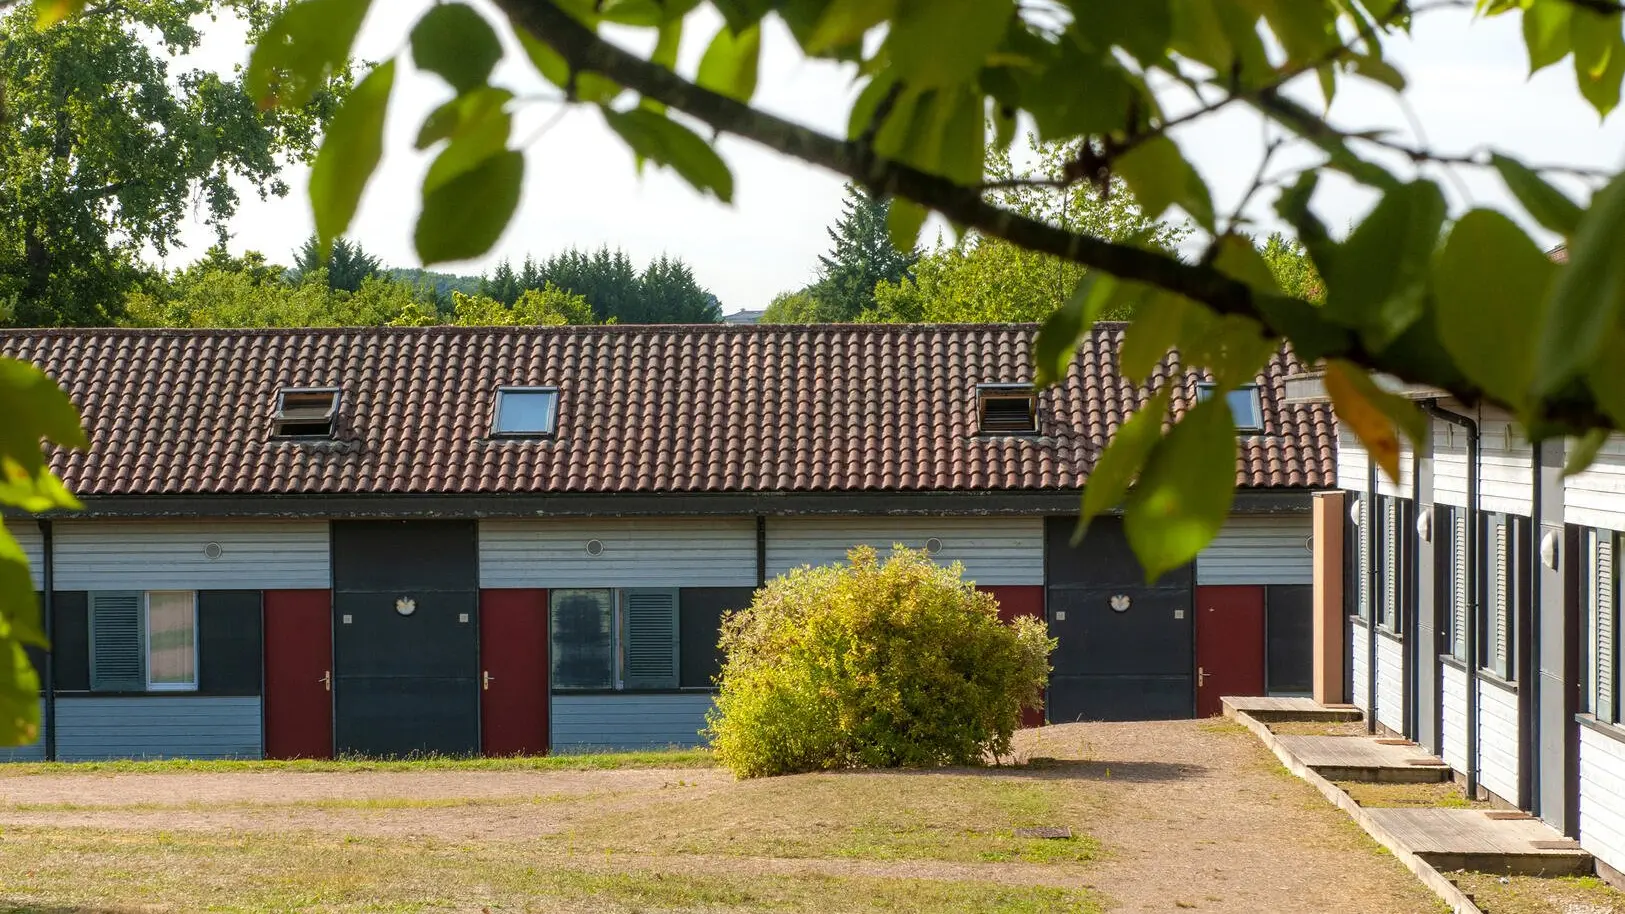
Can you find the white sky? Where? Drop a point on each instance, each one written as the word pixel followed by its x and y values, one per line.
pixel 1468 89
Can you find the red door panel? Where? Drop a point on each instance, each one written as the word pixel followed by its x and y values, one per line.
pixel 298 674
pixel 1016 601
pixel 1229 644
pixel 513 672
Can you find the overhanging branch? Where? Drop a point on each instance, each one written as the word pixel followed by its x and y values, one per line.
pixel 583 50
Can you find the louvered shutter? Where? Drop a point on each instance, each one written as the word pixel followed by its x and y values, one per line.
pixel 1605 627
pixel 1390 564
pixel 1364 561
pixel 115 642
pixel 1501 605
pixel 1458 589
pixel 651 639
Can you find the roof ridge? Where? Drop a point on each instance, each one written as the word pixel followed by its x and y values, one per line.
pixel 876 329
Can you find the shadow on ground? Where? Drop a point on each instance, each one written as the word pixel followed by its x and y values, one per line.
pixel 1134 772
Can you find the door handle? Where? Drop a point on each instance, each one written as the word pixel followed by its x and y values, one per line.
pixel 487 680
pixel 327 681
pixel 1201 677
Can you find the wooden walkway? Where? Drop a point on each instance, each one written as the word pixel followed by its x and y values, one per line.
pixel 1276 710
pixel 1485 841
pixel 1361 758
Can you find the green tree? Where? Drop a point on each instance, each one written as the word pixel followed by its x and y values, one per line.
pixel 544 307
pixel 792 308
pixel 502 285
pixel 983 279
pixel 107 146
pixel 861 256
pixel 346 267
pixel 209 296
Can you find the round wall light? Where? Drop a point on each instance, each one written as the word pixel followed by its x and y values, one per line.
pixel 1549 550
pixel 1424 525
pixel 406 606
pixel 595 547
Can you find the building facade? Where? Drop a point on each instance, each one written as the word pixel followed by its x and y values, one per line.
pixel 451 540
pixel 1482 613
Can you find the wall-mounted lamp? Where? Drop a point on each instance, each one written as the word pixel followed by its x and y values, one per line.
pixel 1424 524
pixel 1548 550
pixel 1356 512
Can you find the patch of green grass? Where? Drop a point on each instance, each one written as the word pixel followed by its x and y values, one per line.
pixel 1221 725
pixel 82 869
pixel 1317 728
pixel 1537 895
pixel 1434 795
pixel 672 758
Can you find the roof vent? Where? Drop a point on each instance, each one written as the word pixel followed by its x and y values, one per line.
pixel 306 412
pixel 1006 409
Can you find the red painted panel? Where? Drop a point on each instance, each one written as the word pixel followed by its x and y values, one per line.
pixel 1016 601
pixel 298 674
pixel 513 672
pixel 1229 644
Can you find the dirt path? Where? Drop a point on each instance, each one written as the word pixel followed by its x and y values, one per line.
pixel 1201 817
pixel 1192 815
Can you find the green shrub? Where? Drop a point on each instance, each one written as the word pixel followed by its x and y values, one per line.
pixel 873 665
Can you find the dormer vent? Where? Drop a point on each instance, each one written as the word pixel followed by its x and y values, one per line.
pixel 306 413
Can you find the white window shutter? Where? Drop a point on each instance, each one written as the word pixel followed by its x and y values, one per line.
pixel 1502 599
pixel 1605 627
pixel 1390 564
pixel 1458 591
pixel 1367 518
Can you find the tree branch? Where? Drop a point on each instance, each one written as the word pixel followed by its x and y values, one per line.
pixel 1297 320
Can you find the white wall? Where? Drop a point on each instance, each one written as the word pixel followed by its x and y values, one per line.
pixel 1602 796
pixel 1596 498
pixel 162 555
pixel 1449 464
pixel 994 550
pixel 27 535
pixel 1498 739
pixel 1271 549
pixel 638 552
pixel 1506 462
pixel 1390 683
pixel 1359 645
pixel 1453 716
pixel 597 723
pixel 1352 462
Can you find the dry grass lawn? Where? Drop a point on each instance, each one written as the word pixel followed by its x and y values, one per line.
pixel 1165 816
pixel 1442 794
pixel 1529 895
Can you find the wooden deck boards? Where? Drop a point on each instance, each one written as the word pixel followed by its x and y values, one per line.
pixel 1274 710
pixel 1361 758
pixel 1479 840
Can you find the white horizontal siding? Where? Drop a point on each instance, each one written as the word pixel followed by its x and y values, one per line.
pixel 1391 683
pixel 27 535
pixel 159 726
pixel 589 723
pixel 1260 550
pixel 1352 461
pixel 162 555
pixel 637 552
pixel 1453 716
pixel 1602 797
pixel 1596 498
pixel 1449 464
pixel 34 751
pixel 994 550
pixel 1498 739
pixel 1360 661
pixel 1404 488
pixel 1506 462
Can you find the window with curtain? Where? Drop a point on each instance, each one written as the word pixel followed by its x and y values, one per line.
pixel 171 640
pixel 143 641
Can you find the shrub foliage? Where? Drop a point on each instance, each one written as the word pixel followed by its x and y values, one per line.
pixel 873 664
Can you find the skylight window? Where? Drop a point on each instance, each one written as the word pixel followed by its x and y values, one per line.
pixel 1006 409
pixel 1245 405
pixel 526 412
pixel 305 412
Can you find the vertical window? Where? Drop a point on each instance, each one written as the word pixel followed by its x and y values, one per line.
pixel 1498 632
pixel 171 640
pixel 583 639
pixel 1601 625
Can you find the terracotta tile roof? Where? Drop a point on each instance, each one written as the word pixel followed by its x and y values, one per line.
pixel 642 409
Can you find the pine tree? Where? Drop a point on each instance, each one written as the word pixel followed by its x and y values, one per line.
pixel 502 285
pixel 348 264
pixel 862 256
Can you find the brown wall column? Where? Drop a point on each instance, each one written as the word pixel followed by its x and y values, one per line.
pixel 1330 625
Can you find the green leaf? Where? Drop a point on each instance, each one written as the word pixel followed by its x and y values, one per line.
pixel 664 141
pixel 1490 285
pixel 1376 281
pixel 903 221
pixel 1546 33
pixel 1375 415
pixel 937 43
pixel 1584 452
pixel 1587 297
pixel 1378 70
pixel 1199 34
pixel 1056 345
pixel 19 693
pixel 351 148
pixel 1236 258
pixel 729 64
pixel 1155 330
pixel 302 49
pixel 1060 111
pixel 1606 376
pixel 35 408
pixel 592 88
pixel 18 606
pixel 1185 490
pixel 1307 29
pixel 1142 28
pixel 49 12
pixel 846 21
pixel 1551 207
pixel 1599 57
pixel 449 228
pixel 1110 477
pixel 1160 177
pixel 473 143
pixel 457 44
pixel 480 111
pixel 670 38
